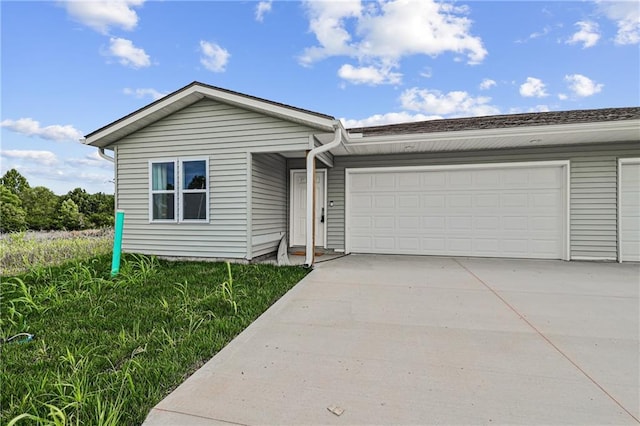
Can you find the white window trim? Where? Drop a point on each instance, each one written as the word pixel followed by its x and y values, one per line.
pixel 152 191
pixel 178 191
pixel 181 161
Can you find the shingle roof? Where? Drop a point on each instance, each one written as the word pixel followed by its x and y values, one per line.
pixel 502 121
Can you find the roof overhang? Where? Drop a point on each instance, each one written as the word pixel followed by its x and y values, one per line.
pixel 193 93
pixel 515 137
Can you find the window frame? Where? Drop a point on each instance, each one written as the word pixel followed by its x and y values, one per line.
pixel 182 191
pixel 178 191
pixel 152 191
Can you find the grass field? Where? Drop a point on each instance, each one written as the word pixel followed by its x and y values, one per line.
pixel 106 350
pixel 22 251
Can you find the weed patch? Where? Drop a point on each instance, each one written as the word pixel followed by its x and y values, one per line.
pixel 21 252
pixel 104 350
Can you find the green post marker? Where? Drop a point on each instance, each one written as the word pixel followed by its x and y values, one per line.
pixel 117 243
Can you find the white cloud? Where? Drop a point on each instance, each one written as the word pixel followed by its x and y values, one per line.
pixel 626 15
pixel 368 75
pixel 31 127
pixel 141 93
pixel 214 57
pixel 562 96
pixel 388 118
pixel 533 87
pixel 103 14
pixel 456 103
pixel 44 158
pixel 129 55
pixel 487 84
pixel 90 160
pixel 382 33
pixel 262 8
pixel 588 34
pixel 546 30
pixel 582 86
pixel 427 72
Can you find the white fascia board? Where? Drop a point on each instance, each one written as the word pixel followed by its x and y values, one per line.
pixel 632 126
pixel 311 120
pixel 155 112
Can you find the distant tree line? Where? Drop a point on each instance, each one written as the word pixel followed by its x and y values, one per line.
pixel 23 207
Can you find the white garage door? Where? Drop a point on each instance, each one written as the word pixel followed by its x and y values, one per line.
pixel 497 211
pixel 630 210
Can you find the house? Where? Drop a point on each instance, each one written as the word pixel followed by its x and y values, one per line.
pixel 211 173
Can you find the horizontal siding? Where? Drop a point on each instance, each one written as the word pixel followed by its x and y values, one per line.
pixel 207 129
pixel 268 201
pixel 593 203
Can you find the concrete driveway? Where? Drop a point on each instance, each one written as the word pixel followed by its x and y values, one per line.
pixel 429 340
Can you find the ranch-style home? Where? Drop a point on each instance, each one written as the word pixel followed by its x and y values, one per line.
pixel 211 173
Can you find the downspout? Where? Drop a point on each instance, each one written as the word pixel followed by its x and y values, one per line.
pixel 103 155
pixel 311 189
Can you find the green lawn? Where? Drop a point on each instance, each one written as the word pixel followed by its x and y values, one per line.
pixel 106 350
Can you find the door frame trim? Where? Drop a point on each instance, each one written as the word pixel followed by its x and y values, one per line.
pixel 565 164
pixel 621 162
pixel 324 196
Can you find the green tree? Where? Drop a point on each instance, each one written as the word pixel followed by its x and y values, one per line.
pixel 12 216
pixel 40 204
pixel 70 216
pixel 14 182
pixel 82 199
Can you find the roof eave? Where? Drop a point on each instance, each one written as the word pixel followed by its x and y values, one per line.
pixel 189 95
pixel 533 131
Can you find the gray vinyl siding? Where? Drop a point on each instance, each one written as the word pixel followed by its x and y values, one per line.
pixel 593 202
pixel 268 202
pixel 207 129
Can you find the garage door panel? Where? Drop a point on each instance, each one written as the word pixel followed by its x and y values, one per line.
pixel 408 201
pixel 433 180
pixel 409 223
pixel 459 223
pixel 385 181
pixel 487 200
pixel 361 201
pixel 460 200
pixel 486 179
pixel 461 179
pixel 489 223
pixel 515 200
pixel 435 223
pixel 504 212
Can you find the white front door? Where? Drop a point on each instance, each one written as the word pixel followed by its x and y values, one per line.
pixel 298 201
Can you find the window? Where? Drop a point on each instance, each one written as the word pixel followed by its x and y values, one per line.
pixel 194 190
pixel 179 190
pixel 163 191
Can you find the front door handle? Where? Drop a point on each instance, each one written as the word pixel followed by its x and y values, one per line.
pixel 322 216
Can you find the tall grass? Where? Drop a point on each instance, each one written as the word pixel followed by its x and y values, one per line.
pixel 24 251
pixel 106 350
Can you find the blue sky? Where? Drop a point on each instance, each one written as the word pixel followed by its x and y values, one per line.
pixel 70 67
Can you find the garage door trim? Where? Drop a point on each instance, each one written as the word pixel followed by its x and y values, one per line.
pixel 621 162
pixel 565 164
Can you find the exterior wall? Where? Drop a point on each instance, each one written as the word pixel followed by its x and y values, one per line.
pixel 593 203
pixel 268 203
pixel 225 135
